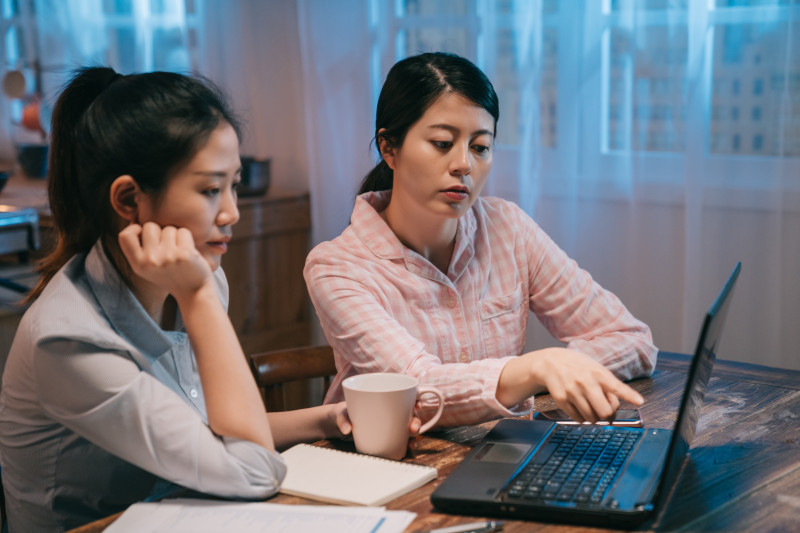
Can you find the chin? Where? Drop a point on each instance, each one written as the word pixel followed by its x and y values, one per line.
pixel 214 263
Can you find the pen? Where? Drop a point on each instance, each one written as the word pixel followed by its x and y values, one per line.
pixel 474 527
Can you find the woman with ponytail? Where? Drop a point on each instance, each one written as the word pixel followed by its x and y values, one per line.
pixel 432 280
pixel 125 375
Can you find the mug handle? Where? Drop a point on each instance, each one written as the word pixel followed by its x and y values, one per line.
pixel 436 392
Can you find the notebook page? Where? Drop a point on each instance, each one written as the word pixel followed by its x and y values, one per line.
pixel 348 478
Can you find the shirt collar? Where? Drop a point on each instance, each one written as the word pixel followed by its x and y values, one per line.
pixel 124 312
pixel 376 235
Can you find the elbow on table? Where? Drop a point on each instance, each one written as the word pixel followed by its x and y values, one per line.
pixel 254 473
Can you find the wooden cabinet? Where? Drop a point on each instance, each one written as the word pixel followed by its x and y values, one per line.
pixel 269 304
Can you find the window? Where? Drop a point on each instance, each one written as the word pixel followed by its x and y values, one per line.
pixel 626 82
pixel 45 39
pixel 51 37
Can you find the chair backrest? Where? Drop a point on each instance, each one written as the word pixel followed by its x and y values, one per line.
pixel 275 368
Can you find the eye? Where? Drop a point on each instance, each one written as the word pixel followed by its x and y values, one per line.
pixel 214 191
pixel 442 145
pixel 481 149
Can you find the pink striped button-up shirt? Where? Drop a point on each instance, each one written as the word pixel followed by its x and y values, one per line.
pixel 385 308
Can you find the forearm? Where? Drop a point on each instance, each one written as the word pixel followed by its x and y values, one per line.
pixel 303 425
pixel 518 380
pixel 233 403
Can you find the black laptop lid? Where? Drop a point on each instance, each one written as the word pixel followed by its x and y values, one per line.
pixel 696 383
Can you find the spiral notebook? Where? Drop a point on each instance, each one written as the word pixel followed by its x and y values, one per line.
pixel 349 478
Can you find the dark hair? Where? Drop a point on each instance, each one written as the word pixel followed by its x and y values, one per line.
pixel 107 125
pixel 411 86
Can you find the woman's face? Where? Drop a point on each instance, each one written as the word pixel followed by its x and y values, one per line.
pixel 445 158
pixel 201 197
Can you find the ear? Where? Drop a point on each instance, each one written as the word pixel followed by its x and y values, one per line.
pixel 125 194
pixel 388 153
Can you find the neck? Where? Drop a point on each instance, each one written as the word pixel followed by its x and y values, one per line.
pixel 151 297
pixel 431 236
pixel 155 301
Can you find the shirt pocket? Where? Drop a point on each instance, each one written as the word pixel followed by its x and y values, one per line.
pixel 503 323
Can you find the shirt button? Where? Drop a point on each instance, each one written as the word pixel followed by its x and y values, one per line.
pixel 193 393
pixel 463 356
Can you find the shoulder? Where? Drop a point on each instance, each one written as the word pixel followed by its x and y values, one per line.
pixel 345 249
pixel 68 309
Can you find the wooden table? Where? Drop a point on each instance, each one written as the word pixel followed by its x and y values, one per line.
pixel 743 473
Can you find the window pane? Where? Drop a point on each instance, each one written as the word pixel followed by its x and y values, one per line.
pixel 118 7
pixel 754 3
pixel 511 7
pixel 121 52
pixel 647 5
pixel 646 107
pixel 15 46
pixel 10 8
pixel 417 40
pixel 434 7
pixel 548 92
pixel 169 50
pixel 506 84
pixel 760 97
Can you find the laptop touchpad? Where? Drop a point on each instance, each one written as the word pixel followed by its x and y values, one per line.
pixel 502 452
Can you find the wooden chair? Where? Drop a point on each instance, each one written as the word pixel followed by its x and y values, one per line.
pixel 275 368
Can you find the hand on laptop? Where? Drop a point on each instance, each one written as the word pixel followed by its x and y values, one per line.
pixel 582 387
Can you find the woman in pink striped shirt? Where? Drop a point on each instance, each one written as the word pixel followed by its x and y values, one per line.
pixel 432 280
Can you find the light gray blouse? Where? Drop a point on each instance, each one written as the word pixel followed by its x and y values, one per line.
pixel 100 406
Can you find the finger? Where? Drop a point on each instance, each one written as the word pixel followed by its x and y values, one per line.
pixel 598 403
pixel 416 423
pixel 151 235
pixel 564 403
pixel 343 419
pixel 129 241
pixel 627 393
pixel 585 410
pixel 169 236
pixel 184 239
pixel 571 411
pixel 613 400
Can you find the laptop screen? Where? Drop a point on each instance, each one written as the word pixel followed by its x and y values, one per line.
pixel 696 383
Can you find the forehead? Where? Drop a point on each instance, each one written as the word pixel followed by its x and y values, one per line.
pixel 455 111
pixel 222 143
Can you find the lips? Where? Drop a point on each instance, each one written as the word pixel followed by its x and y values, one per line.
pixel 456 193
pixel 221 244
pixel 458 189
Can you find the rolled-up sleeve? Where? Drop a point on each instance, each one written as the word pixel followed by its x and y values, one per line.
pixel 105 398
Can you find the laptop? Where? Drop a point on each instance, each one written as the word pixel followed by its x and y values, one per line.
pixel 606 476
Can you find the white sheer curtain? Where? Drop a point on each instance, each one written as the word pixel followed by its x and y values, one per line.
pixel 658 141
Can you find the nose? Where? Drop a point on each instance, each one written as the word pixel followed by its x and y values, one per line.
pixel 461 163
pixel 228 210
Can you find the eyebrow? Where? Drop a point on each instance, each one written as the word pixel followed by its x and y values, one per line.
pixel 214 173
pixel 453 129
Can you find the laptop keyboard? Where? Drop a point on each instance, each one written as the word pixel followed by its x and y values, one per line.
pixel 576 464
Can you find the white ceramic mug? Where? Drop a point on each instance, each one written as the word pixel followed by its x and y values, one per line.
pixel 380 406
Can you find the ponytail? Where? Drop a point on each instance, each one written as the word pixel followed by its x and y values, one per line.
pixel 379 178
pixel 72 200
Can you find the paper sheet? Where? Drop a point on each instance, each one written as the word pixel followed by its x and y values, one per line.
pixel 211 516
